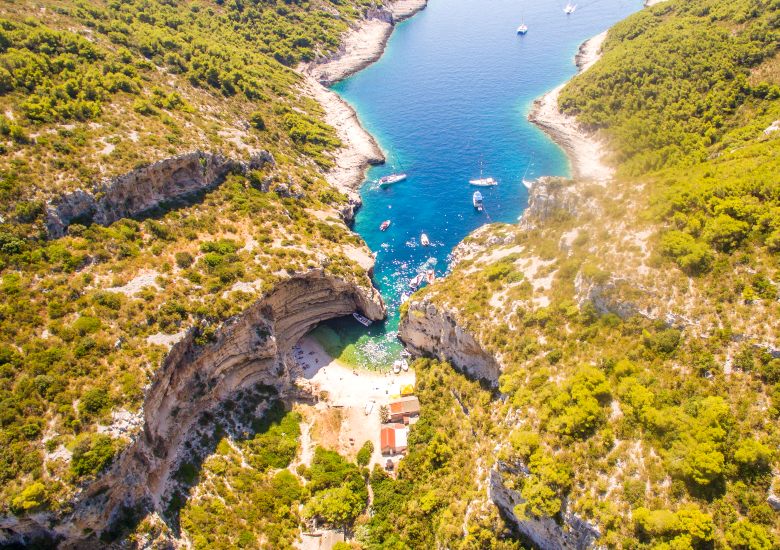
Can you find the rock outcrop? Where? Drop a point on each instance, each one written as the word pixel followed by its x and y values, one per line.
pixel 245 351
pixel 428 330
pixel 545 533
pixel 146 188
pixel 552 197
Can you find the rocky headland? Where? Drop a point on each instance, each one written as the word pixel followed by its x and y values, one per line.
pixel 585 152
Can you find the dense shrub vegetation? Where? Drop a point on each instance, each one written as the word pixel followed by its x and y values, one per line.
pixel 96 89
pixel 660 429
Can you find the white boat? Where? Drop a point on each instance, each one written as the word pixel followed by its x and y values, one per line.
pixel 430 276
pixel 396 366
pixel 523 28
pixel 385 225
pixel 570 8
pixel 417 281
pixel 482 181
pixel 404 365
pixel 424 240
pixel 362 320
pixel 528 184
pixel 390 179
pixel 476 199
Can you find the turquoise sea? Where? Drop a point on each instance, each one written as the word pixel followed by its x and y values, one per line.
pixel 451 93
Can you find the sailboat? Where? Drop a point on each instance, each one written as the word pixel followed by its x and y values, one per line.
pixel 476 199
pixel 523 28
pixel 390 179
pixel 482 181
pixel 526 182
pixel 569 9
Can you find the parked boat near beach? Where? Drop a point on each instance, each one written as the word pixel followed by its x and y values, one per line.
pixel 362 320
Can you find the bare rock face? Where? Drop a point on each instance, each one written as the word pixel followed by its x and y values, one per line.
pixel 544 533
pixel 428 331
pixel 146 188
pixel 550 197
pixel 194 379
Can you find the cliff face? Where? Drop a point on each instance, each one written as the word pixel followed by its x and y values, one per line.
pixel 428 330
pixel 145 188
pixel 545 533
pixel 193 381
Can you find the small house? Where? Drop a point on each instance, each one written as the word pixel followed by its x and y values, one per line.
pixel 393 439
pixel 405 408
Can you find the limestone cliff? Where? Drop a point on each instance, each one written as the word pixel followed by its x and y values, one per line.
pixel 545 533
pixel 145 189
pixel 194 379
pixel 431 331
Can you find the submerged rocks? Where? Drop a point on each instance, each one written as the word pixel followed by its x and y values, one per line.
pixel 145 189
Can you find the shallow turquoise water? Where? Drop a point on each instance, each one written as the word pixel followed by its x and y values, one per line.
pixel 451 92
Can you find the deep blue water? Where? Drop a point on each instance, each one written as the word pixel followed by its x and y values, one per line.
pixel 452 91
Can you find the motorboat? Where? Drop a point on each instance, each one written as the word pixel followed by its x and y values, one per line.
pixel 397 366
pixel 417 281
pixel 404 365
pixel 390 179
pixel 430 276
pixel 424 240
pixel 570 8
pixel 385 224
pixel 528 184
pixel 362 320
pixel 476 199
pixel 523 28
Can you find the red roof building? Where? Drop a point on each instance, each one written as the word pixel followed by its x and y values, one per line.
pixel 404 408
pixel 393 439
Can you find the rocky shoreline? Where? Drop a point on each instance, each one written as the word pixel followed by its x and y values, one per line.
pixel 585 152
pixel 361 46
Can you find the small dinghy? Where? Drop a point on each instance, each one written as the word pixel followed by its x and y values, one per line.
pixel 424 240
pixel 385 225
pixel 362 320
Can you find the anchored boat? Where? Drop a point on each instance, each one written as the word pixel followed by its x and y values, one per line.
pixel 523 28
pixel 390 179
pixel 424 240
pixel 385 224
pixel 476 199
pixel 362 320
pixel 570 8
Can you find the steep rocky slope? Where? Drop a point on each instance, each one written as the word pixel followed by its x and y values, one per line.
pixel 170 225
pixel 632 326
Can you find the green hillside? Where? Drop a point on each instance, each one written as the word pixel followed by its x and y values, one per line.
pixel 639 334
